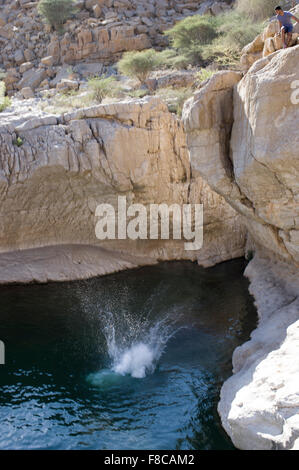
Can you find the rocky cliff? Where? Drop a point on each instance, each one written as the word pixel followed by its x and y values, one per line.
pixel 98 33
pixel 55 170
pixel 243 140
pixel 268 41
pixel 236 152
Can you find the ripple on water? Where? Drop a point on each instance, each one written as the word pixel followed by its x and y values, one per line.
pixel 129 361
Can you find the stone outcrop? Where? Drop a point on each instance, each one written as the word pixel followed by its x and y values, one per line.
pixel 100 30
pixel 55 170
pixel 267 42
pixel 250 157
pixel 240 160
pixel 253 163
pixel 264 154
pixel 259 404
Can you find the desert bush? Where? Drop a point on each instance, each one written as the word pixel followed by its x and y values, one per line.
pixel 169 58
pixel 5 101
pixel 237 31
pixel 100 88
pixel 233 33
pixel 202 40
pixel 221 55
pixel 193 30
pixel 190 35
pixel 256 10
pixel 139 93
pixel 138 64
pixel 56 12
pixel 205 74
pixel 175 98
pixel 18 142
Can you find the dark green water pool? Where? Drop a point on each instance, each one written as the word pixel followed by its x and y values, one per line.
pixel 133 360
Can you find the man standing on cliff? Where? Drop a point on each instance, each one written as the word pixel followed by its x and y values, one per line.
pixel 286 26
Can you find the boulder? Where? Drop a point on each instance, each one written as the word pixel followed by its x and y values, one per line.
pixel 247 155
pixel 26 66
pixel 267 42
pixel 48 61
pixel 66 84
pixel 32 78
pixel 27 93
pixel 208 120
pixel 264 156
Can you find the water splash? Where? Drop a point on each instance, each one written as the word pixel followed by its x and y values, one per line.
pixel 135 361
pixel 135 345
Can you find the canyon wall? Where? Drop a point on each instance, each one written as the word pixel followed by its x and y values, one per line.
pixel 243 140
pixel 255 168
pixel 55 170
pixel 236 152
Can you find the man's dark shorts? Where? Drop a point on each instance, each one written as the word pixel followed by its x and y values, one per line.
pixel 288 28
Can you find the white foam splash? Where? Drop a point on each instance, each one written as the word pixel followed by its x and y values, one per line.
pixel 136 345
pixel 135 361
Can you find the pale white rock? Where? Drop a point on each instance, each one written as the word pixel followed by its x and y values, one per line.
pixel 267 42
pixel 259 404
pixel 27 93
pixel 64 166
pixel 250 157
pixel 264 146
pixel 242 139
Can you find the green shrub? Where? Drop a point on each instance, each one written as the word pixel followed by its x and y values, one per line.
pixel 102 87
pixel 169 58
pixel 175 98
pixel 18 142
pixel 190 35
pixel 5 101
pixel 237 31
pixel 138 64
pixel 221 55
pixel 205 74
pixel 256 10
pixel 193 30
pixel 202 40
pixel 56 12
pixel 138 93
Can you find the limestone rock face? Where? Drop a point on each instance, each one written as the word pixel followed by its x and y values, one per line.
pixel 259 404
pixel 253 163
pixel 55 170
pixel 264 147
pixel 98 44
pixel 250 157
pixel 208 119
pixel 267 42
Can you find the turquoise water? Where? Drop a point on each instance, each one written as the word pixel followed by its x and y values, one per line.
pixel 134 360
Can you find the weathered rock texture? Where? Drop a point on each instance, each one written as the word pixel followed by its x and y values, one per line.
pixel 267 42
pixel 55 170
pixel 256 167
pixel 250 157
pixel 259 404
pixel 100 31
